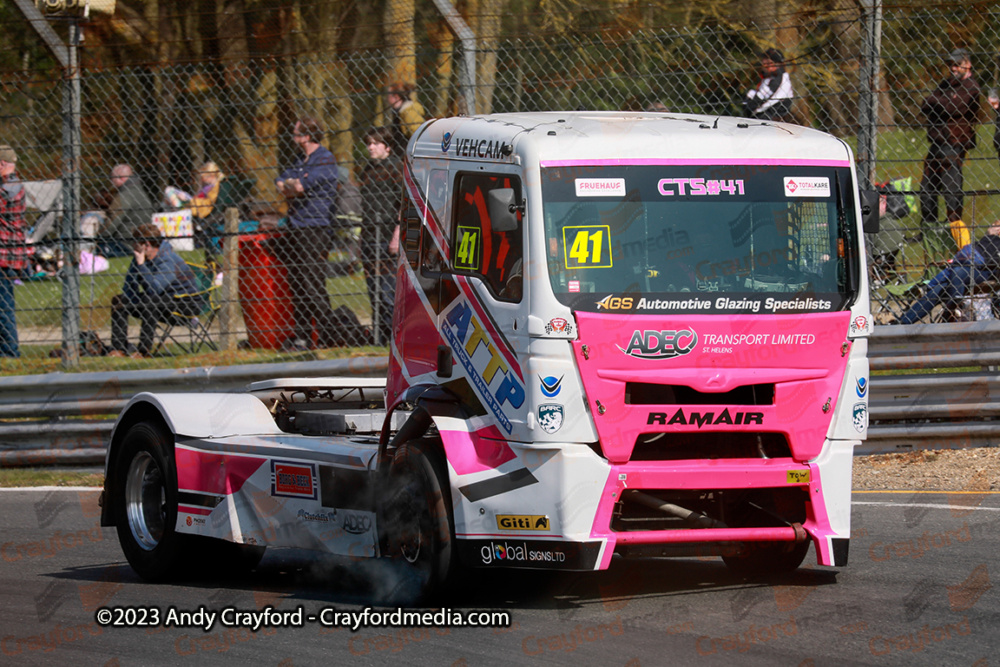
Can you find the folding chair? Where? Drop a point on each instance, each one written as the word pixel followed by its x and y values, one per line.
pixel 198 326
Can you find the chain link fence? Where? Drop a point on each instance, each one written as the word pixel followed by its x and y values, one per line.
pixel 270 290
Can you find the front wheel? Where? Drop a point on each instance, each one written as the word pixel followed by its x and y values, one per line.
pixel 145 502
pixel 764 558
pixel 418 522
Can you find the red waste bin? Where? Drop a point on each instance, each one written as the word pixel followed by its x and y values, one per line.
pixel 264 294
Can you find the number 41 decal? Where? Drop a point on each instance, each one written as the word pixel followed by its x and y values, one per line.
pixel 587 247
pixel 467 257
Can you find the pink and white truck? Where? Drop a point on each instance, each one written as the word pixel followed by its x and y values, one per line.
pixel 628 334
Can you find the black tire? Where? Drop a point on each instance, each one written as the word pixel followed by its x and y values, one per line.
pixel 221 558
pixel 757 559
pixel 145 502
pixel 418 522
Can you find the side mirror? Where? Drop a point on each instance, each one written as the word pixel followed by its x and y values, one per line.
pixel 869 211
pixel 502 207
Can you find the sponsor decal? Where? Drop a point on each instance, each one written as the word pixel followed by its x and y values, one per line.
pixel 293 480
pixel 818 186
pixel 495 382
pixel 612 302
pixel 666 344
pixel 520 553
pixel 600 187
pixel 700 419
pixel 862 388
pixel 194 520
pixel 551 386
pixel 860 416
pixel 523 522
pixel 574 286
pixel 559 325
pixel 700 187
pixel 356 524
pixel 859 324
pixel 493 149
pixel 550 417
pixel 321 517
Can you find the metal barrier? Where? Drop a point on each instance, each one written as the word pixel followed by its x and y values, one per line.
pixel 944 410
pixel 80 407
pixel 67 417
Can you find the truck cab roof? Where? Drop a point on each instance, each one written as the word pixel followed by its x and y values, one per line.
pixel 622 136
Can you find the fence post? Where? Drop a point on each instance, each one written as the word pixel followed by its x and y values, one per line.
pixel 230 279
pixel 70 272
pixel 871 52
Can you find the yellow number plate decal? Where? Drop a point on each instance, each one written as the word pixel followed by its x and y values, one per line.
pixel 467 256
pixel 587 247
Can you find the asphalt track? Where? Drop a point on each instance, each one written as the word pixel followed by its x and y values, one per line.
pixel 917 591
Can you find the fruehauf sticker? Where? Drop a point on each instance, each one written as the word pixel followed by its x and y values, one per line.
pixel 600 187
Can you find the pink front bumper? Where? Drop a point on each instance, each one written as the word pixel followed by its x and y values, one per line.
pixel 713 474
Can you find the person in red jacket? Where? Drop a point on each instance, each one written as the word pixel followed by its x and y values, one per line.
pixel 14 251
pixel 951 113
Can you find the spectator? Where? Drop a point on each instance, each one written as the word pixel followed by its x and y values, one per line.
pixel 950 112
pixel 129 209
pixel 156 284
pixel 974 264
pixel 405 114
pixel 217 192
pixel 310 186
pixel 772 98
pixel 14 251
pixel 380 184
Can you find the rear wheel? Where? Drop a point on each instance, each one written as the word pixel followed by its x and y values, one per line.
pixel 418 522
pixel 145 505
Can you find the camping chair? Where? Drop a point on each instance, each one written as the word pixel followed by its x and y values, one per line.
pixel 198 326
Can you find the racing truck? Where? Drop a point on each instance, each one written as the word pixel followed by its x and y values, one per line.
pixel 640 335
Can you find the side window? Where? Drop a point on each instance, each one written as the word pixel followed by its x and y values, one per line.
pixel 409 233
pixel 479 249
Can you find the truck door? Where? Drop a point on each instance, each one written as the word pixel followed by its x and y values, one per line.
pixel 487 266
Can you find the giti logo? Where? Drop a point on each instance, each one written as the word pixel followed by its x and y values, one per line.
pixel 660 344
pixel 522 522
pixel 612 302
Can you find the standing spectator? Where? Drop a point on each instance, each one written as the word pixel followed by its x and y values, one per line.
pixel 975 263
pixel 13 250
pixel 951 112
pixel 772 98
pixel 130 209
pixel 380 184
pixel 157 283
pixel 405 114
pixel 310 186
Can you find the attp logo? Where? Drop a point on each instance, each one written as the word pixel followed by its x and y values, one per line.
pixel 660 344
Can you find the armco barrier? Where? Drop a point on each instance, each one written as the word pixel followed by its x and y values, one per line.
pixel 79 408
pixel 67 418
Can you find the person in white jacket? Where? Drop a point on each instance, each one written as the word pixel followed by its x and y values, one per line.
pixel 772 98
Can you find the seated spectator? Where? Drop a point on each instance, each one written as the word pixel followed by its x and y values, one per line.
pixel 130 209
pixel 154 286
pixel 974 264
pixel 772 98
pixel 208 206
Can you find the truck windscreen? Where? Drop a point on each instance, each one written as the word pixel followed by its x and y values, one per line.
pixel 696 238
